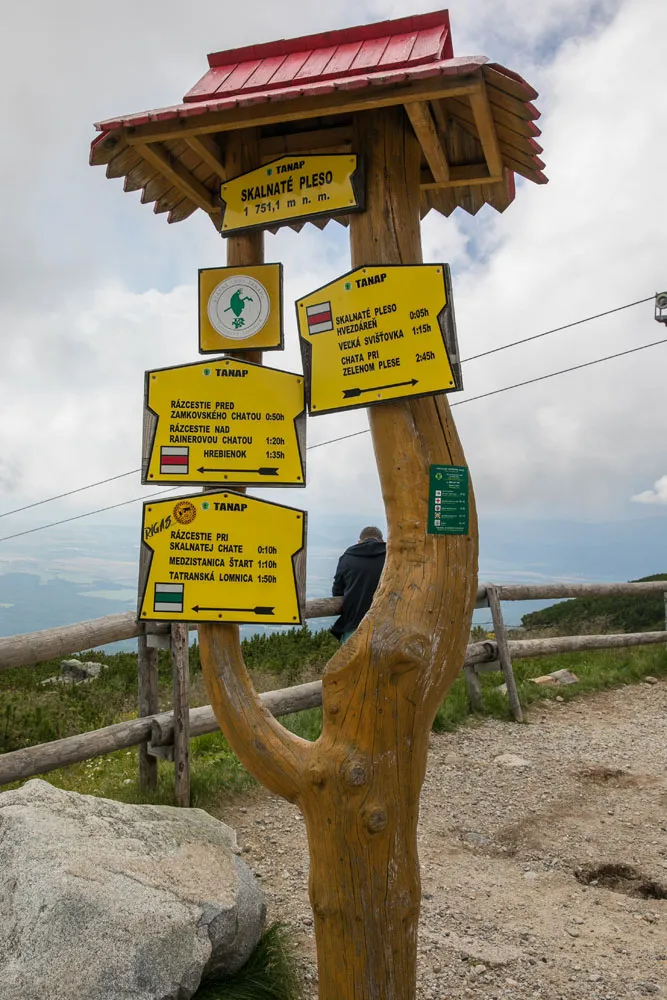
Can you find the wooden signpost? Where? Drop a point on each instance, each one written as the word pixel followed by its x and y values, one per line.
pixel 422 130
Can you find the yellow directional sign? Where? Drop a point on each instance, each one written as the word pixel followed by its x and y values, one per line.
pixel 292 188
pixel 379 333
pixel 224 421
pixel 222 557
pixel 240 308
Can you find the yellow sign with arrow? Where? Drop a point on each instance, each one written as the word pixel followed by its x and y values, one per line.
pixel 377 334
pixel 292 188
pixel 222 557
pixel 224 421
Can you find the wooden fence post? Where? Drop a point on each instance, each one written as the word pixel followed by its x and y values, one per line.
pixel 473 687
pixel 148 705
pixel 504 652
pixel 180 663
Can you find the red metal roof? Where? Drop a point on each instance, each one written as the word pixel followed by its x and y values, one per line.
pixel 389 52
pixel 389 45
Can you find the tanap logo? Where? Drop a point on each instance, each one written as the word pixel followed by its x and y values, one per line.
pixel 239 307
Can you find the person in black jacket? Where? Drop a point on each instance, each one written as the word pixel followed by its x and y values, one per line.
pixel 357 576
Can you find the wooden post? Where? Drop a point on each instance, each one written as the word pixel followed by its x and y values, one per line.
pixel 504 652
pixel 180 665
pixel 358 786
pixel 474 688
pixel 148 705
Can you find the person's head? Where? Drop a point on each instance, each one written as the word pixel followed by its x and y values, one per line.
pixel 367 533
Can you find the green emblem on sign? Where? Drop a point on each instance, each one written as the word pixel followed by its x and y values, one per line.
pixel 448 509
pixel 237 305
pixel 207 371
pixel 205 505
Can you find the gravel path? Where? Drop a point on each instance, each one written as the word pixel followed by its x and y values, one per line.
pixel 509 816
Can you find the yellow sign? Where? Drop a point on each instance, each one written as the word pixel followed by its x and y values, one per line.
pixel 224 557
pixel 224 421
pixel 240 308
pixel 379 333
pixel 289 189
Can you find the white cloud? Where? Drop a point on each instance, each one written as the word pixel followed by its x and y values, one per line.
pixel 657 495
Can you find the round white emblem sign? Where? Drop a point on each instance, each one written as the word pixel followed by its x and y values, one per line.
pixel 239 307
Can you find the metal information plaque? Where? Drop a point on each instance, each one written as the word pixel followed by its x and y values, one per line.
pixel 448 508
pixel 290 189
pixel 376 334
pixel 222 557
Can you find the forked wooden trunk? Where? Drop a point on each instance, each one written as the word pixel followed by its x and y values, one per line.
pixel 358 786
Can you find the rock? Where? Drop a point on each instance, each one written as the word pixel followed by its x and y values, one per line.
pixel 76 670
pixel 573 932
pixel 564 677
pixel 478 839
pixel 483 952
pixel 649 679
pixel 109 901
pixel 511 760
pixel 556 677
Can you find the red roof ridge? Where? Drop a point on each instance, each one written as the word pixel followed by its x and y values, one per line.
pixel 341 36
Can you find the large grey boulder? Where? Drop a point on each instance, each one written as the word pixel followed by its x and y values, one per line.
pixel 100 900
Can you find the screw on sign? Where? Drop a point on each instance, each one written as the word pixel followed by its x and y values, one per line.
pixel 403 109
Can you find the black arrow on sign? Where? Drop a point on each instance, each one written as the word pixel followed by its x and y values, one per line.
pixel 349 393
pixel 248 611
pixel 261 472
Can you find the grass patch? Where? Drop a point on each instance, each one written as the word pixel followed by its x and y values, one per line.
pixel 597 670
pixel 269 974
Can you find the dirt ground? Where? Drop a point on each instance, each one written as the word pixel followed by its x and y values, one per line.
pixel 541 876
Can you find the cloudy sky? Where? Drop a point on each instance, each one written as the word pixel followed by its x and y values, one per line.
pixel 94 288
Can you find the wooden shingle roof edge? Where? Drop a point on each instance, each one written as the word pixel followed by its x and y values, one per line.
pixel 475 119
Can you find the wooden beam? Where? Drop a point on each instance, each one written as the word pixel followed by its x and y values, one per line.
pixel 343 102
pixel 325 140
pixel 180 177
pixel 504 655
pixel 180 668
pixel 148 705
pixel 468 174
pixel 486 130
pixel 421 119
pixel 207 148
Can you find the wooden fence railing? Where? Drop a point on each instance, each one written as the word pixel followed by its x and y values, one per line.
pixel 34 647
pixel 155 733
